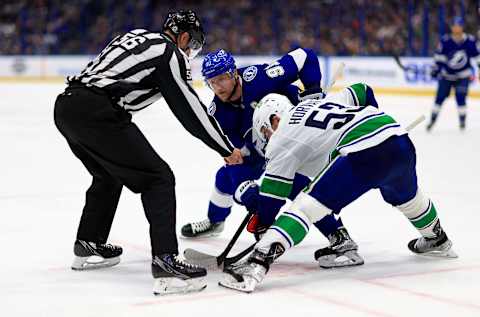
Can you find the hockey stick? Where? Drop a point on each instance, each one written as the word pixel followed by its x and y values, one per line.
pixel 339 72
pixel 399 62
pixel 211 261
pixel 415 122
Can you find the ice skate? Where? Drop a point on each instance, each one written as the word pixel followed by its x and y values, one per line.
pixel 91 255
pixel 247 275
pixel 202 229
pixel 341 252
pixel 437 246
pixel 174 276
pixel 244 276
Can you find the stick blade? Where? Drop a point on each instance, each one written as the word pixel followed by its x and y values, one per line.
pixel 206 260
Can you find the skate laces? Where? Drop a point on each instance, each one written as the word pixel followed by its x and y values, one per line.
pixel 341 241
pixel 426 241
pixel 201 226
pixel 338 239
pixel 109 247
pixel 182 262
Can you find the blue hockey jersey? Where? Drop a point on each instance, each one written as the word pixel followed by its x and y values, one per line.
pixel 257 81
pixel 453 58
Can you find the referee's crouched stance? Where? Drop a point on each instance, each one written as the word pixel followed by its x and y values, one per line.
pixel 93 114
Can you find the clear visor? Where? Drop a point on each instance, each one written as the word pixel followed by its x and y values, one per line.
pixel 195 45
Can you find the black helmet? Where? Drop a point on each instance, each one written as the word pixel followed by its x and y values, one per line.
pixel 186 21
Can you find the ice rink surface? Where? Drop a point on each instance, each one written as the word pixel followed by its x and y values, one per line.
pixel 42 193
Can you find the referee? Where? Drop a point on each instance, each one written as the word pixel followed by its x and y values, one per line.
pixel 94 116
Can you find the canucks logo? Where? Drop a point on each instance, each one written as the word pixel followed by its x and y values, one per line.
pixel 250 73
pixel 458 60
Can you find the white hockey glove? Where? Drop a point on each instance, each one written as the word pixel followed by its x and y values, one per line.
pixel 247 194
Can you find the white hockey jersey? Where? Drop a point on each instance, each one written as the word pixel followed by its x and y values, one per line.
pixel 316 132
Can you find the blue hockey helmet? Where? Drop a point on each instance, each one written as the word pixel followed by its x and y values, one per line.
pixel 217 63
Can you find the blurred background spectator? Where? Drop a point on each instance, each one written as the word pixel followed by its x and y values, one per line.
pixel 349 27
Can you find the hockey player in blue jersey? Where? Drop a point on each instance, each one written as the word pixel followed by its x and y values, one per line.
pixel 237 91
pixel 453 69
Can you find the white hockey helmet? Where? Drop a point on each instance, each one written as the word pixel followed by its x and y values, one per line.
pixel 270 105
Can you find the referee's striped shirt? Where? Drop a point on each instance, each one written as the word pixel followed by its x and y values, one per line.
pixel 139 68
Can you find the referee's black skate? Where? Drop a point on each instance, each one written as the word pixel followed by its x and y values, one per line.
pixel 175 276
pixel 202 229
pixel 438 245
pixel 341 252
pixel 91 255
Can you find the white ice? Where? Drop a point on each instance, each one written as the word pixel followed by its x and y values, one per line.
pixel 42 189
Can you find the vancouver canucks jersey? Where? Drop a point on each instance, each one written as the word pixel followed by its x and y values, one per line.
pixel 258 81
pixel 315 132
pixel 453 58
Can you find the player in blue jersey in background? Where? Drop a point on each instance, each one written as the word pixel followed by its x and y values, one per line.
pixel 453 69
pixel 237 91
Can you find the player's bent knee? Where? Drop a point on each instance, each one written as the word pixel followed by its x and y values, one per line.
pixel 221 199
pixel 414 206
pixel 309 206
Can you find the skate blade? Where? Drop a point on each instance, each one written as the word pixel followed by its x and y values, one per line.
pixel 201 259
pixel 203 235
pixel 246 286
pixel 350 258
pixel 449 254
pixel 173 285
pixel 93 262
pixel 200 236
pixel 443 251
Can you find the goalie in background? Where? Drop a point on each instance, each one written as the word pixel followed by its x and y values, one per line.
pixel 237 92
pixel 452 68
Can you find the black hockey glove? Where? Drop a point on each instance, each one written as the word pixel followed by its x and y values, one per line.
pixel 435 72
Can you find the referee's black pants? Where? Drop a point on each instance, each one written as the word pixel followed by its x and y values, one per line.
pixel 116 153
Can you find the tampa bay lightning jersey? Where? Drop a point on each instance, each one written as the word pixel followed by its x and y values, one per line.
pixel 453 58
pixel 257 81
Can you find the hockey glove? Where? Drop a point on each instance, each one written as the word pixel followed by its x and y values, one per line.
pixel 247 194
pixel 435 72
pixel 254 226
pixel 311 93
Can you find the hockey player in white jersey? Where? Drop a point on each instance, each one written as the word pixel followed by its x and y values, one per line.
pixel 348 147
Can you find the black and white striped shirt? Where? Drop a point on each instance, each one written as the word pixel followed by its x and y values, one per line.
pixel 139 68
